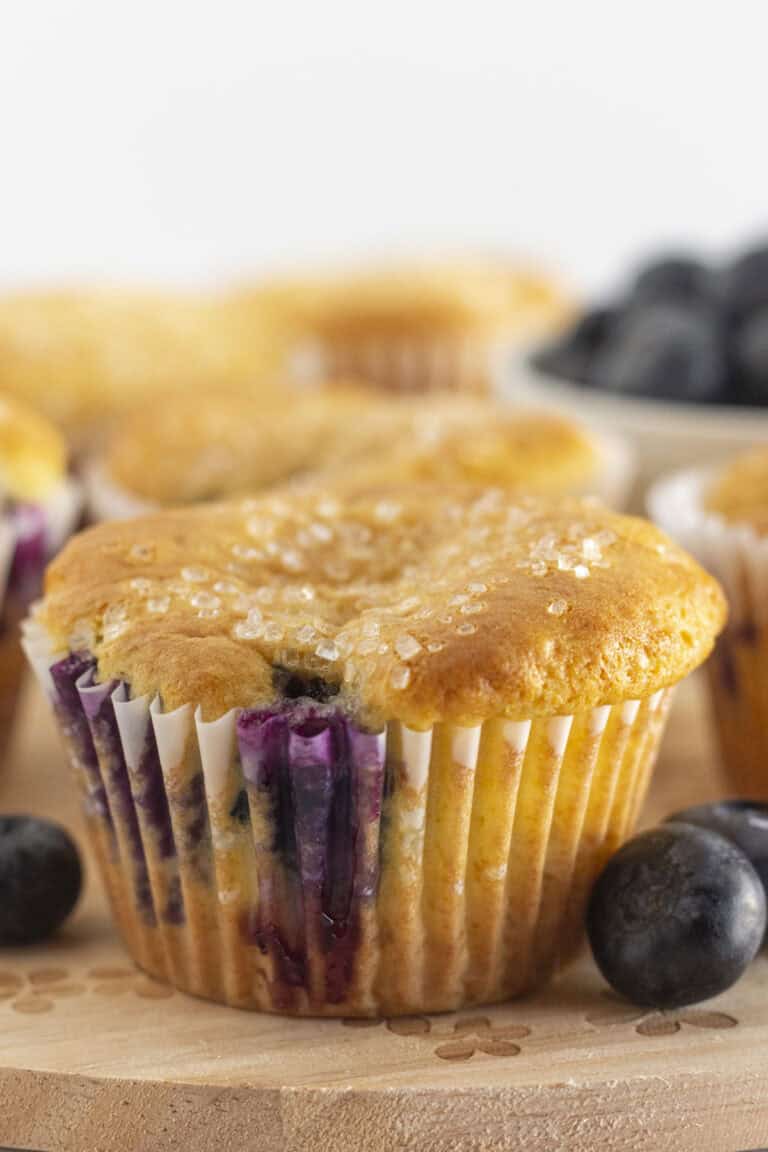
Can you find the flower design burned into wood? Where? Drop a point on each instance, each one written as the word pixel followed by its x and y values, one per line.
pixel 467 1037
pixel 652 1022
pixel 470 1036
pixel 37 990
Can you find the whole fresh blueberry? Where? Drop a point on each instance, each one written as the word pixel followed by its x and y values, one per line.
pixel 751 356
pixel 745 283
pixel 669 351
pixel 570 357
pixel 676 277
pixel 743 822
pixel 676 916
pixel 40 878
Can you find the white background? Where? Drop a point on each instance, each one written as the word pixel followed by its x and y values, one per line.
pixel 177 141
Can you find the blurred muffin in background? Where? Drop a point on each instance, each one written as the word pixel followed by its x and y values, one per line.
pixel 40 508
pixel 185 452
pixel 721 515
pixel 417 326
pixel 85 356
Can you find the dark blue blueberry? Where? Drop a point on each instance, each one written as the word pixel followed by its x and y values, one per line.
pixel 40 878
pixel 676 916
pixel 743 822
pixel 677 277
pixel 570 357
pixel 745 284
pixel 665 351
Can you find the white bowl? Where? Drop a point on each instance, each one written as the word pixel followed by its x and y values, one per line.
pixel 665 436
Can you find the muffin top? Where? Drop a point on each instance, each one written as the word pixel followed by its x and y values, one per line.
pixel 395 299
pixel 82 356
pixel 739 494
pixel 223 446
pixel 33 457
pixel 422 604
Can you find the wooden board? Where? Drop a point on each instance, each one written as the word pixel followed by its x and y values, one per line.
pixel 94 1056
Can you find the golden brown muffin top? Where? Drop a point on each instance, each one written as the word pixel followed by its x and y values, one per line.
pixel 218 447
pixel 739 494
pixel 84 355
pixel 33 456
pixel 394 299
pixel 422 604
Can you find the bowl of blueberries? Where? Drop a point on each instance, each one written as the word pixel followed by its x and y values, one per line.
pixel 678 362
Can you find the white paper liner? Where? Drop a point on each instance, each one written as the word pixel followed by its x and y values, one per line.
pixel 459 364
pixel 490 839
pixel 62 510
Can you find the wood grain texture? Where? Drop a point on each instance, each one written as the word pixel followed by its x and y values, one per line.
pixel 94 1057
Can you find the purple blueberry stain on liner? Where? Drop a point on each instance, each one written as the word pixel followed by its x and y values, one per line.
pixel 353 852
pixel 312 754
pixel 65 675
pixel 150 795
pixel 323 781
pixel 319 781
pixel 276 925
pixel 290 964
pixel 87 713
pixel 173 912
pixel 99 711
pixel 191 805
pixel 30 554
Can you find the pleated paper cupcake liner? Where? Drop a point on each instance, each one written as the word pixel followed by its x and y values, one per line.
pixel 29 535
pixel 738 669
pixel 288 861
pixel 413 365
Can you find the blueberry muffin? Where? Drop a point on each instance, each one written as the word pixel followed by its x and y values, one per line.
pixel 84 356
pixel 40 507
pixel 721 515
pixel 219 447
pixel 418 326
pixel 364 754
